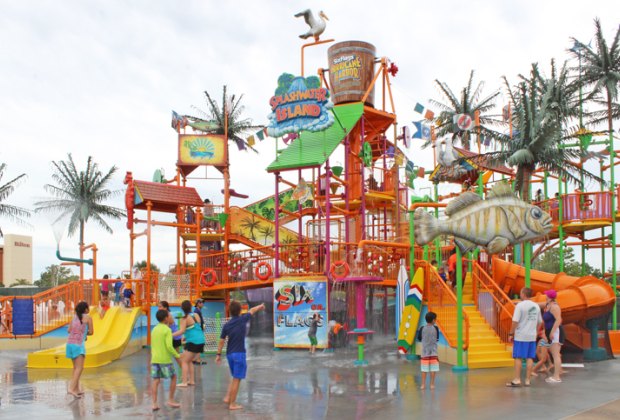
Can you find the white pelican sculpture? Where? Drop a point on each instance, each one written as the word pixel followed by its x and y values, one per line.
pixel 317 26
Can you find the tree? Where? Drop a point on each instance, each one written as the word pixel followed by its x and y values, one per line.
pixel 237 125
pixel 469 103
pixel 266 231
pixel 13 213
pixel 251 224
pixel 56 275
pixel 20 282
pixel 141 265
pixel 539 110
pixel 80 195
pixel 549 262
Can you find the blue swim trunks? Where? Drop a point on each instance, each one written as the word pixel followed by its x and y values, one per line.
pixel 74 350
pixel 237 364
pixel 524 350
pixel 162 370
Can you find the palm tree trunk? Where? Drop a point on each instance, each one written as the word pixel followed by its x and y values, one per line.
pixel 81 249
pixel 612 161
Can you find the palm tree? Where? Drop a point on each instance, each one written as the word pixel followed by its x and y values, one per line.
pixel 80 195
pixel 14 213
pixel 469 103
pixel 540 106
pixel 266 231
pixel 215 115
pixel 601 69
pixel 251 224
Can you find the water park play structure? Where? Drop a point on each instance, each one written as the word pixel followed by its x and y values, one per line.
pixel 336 233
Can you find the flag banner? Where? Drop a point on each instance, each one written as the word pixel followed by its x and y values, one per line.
pixel 390 151
pixel 409 168
pixel 419 108
pixel 399 158
pixel 426 132
pixel 251 141
pixel 418 127
pixel 429 115
pixel 260 135
pixel 486 140
pixel 240 144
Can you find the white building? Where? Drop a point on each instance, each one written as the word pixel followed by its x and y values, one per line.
pixel 16 259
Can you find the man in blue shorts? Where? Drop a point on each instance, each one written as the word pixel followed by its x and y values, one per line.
pixel 525 323
pixel 235 330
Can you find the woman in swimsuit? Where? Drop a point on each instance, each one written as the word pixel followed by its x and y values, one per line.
pixel 79 328
pixel 552 319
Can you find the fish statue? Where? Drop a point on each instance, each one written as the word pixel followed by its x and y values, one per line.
pixel 500 220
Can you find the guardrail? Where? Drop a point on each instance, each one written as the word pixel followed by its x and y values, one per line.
pixel 441 300
pixel 492 302
pixel 6 312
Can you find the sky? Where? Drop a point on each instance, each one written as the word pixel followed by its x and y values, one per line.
pixel 100 78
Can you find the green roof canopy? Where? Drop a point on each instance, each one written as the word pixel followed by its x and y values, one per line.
pixel 313 149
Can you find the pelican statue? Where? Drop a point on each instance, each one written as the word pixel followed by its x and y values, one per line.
pixel 317 27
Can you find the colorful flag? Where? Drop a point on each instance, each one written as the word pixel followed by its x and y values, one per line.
pixel 251 141
pixel 429 115
pixel 260 135
pixel 486 140
pixel 265 132
pixel 426 132
pixel 418 126
pixel 390 151
pixel 419 108
pixel 399 158
pixel 240 144
pixel 409 167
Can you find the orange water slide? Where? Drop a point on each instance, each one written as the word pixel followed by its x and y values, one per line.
pixel 581 298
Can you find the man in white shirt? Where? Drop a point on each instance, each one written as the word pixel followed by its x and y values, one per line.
pixel 525 323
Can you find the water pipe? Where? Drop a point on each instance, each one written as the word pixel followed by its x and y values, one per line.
pixel 74 260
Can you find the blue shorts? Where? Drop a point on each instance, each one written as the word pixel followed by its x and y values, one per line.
pixel 237 364
pixel 524 350
pixel 74 350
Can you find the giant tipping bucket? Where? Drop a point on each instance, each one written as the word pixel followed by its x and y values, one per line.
pixel 351 70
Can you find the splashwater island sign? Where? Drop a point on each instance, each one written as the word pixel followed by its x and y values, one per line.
pixel 299 104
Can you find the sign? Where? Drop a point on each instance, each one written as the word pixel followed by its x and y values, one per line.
pixel 464 122
pixel 202 149
pixel 299 104
pixel 294 304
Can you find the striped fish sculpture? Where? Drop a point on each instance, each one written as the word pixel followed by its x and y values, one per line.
pixel 500 220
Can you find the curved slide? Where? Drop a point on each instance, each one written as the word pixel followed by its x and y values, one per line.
pixel 581 298
pixel 112 333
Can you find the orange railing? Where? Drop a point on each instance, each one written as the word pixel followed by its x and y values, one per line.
pixel 441 300
pixel 55 307
pixel 492 303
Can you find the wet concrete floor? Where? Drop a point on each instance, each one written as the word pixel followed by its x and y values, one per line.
pixel 294 385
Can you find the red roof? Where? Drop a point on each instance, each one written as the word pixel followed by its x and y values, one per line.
pixel 165 197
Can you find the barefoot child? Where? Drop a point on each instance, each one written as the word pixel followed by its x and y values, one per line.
pixel 429 336
pixel 235 351
pixel 161 362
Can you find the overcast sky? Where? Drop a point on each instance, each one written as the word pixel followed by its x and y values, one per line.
pixel 100 78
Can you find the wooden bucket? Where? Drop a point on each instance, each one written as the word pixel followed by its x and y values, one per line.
pixel 351 70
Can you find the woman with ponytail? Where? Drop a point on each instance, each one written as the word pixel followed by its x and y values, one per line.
pixel 79 328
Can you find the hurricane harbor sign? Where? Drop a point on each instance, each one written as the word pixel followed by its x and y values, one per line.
pixel 299 104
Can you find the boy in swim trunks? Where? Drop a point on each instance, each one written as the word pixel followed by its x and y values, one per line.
pixel 235 330
pixel 161 360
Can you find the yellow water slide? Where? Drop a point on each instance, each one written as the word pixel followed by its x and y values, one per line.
pixel 108 343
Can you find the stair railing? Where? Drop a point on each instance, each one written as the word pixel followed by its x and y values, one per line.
pixel 492 302
pixel 441 300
